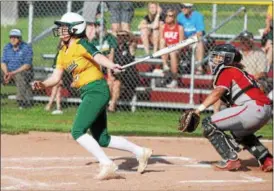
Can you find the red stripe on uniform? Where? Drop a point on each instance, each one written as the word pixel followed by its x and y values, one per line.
pixel 230 116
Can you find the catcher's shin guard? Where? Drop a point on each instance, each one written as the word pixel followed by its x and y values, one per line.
pixel 224 144
pixel 255 147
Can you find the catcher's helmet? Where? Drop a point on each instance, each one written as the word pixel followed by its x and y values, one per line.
pixel 224 54
pixel 76 24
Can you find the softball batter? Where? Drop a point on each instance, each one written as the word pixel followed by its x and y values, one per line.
pixel 82 60
pixel 249 110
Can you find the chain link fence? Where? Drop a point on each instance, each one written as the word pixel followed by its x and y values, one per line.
pixel 146 86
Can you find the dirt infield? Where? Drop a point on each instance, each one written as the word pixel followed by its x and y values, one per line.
pixel 53 161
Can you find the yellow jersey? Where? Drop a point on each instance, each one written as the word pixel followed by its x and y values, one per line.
pixel 77 59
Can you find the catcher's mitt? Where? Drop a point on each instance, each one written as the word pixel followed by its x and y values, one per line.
pixel 189 121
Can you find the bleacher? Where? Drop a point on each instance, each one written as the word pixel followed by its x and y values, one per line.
pixel 147 95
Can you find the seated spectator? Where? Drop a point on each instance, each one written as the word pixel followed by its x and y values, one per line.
pixel 150 26
pixel 129 79
pixel 16 64
pixel 254 59
pixel 193 23
pixel 121 15
pixel 268 36
pixel 171 33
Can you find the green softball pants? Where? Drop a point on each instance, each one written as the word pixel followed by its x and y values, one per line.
pixel 91 113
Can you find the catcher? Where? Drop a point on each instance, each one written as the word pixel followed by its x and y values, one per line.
pixel 249 110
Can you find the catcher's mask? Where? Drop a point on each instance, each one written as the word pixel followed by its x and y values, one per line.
pixel 223 55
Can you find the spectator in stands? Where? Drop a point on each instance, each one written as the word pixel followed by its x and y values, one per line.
pixel 121 15
pixel 90 30
pixel 92 10
pixel 16 64
pixel 109 43
pixel 254 59
pixel 129 79
pixel 150 26
pixel 268 36
pixel 171 33
pixel 193 23
pixel 91 13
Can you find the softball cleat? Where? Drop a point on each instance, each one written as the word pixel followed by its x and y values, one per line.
pixel 107 171
pixel 229 165
pixel 143 159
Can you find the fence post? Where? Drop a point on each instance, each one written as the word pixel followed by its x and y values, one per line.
pixel 191 95
pixel 245 21
pixel 69 5
pixel 30 27
pixel 214 15
pixel 101 24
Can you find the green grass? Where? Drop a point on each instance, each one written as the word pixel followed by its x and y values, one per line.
pixel 143 122
pixel 8 89
pixel 256 17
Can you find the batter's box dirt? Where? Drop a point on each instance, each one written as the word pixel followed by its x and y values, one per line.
pixel 56 162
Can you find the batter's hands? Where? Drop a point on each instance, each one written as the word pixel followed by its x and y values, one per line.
pixel 116 68
pixel 38 85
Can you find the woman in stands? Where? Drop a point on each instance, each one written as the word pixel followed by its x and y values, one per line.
pixel 81 59
pixel 150 25
pixel 171 33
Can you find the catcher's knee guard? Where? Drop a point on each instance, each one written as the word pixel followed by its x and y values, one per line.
pixel 224 144
pixel 255 147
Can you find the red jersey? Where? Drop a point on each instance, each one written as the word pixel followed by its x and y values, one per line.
pixel 171 36
pixel 235 80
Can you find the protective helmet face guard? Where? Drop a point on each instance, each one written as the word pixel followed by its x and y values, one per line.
pixel 217 58
pixel 65 28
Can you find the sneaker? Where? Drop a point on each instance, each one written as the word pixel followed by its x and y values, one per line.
pixel 268 165
pixel 230 165
pixel 107 171
pixel 48 107
pixel 165 68
pixel 172 84
pixel 143 159
pixel 57 112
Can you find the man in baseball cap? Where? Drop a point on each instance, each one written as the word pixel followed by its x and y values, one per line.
pixel 187 5
pixel 254 59
pixel 16 64
pixel 15 33
pixel 193 23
